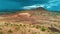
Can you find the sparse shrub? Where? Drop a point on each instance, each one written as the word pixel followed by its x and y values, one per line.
pixel 33 26
pixel 24 26
pixel 55 33
pixel 48 30
pixel 15 25
pixel 10 31
pixel 6 24
pixel 37 26
pixel 11 24
pixel 0 32
pixel 20 24
pixel 43 29
pixel 55 15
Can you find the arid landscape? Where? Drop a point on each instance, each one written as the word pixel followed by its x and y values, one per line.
pixel 36 21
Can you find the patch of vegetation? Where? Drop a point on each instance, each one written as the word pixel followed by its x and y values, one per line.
pixel 20 24
pixel 11 24
pixel 56 14
pixel 10 31
pixel 37 26
pixel 0 32
pixel 6 24
pixel 16 25
pixel 43 28
pixel 48 30
pixel 24 26
pixel 55 33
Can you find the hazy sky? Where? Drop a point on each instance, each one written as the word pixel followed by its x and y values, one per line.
pixel 53 5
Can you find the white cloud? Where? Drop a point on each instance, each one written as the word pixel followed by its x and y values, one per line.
pixel 33 6
pixel 48 6
pixel 54 2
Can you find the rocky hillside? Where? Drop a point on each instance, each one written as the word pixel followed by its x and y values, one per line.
pixel 50 20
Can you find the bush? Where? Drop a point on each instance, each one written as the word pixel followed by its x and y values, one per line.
pixel 20 24
pixel 37 26
pixel 6 24
pixel 10 31
pixel 16 25
pixel 43 29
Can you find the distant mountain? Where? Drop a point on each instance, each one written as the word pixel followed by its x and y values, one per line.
pixel 39 8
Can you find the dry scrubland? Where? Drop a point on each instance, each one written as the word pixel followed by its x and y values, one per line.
pixel 21 28
pixel 37 21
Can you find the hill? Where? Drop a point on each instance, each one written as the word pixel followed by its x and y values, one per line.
pixel 35 18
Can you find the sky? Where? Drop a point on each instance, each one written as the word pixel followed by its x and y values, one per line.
pixel 53 5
